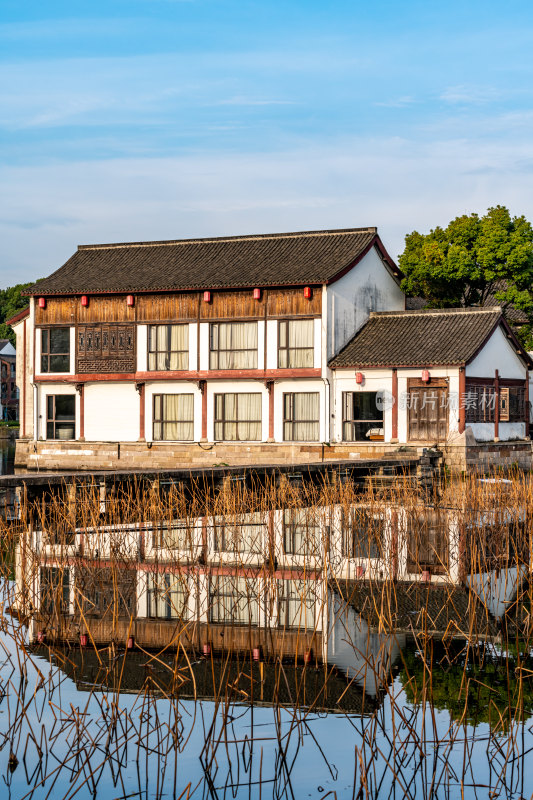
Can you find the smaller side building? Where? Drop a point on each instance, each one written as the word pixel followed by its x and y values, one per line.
pixel 455 378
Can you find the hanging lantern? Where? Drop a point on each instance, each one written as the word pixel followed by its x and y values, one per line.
pixel 307 292
pixel 42 302
pixel 84 300
pixel 130 300
pixel 257 294
pixel 207 296
pixel 359 377
pixel 425 375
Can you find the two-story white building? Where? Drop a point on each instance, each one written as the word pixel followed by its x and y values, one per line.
pixel 195 351
pixel 257 349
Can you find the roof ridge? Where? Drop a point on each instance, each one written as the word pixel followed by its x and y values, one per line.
pixel 211 239
pixel 435 311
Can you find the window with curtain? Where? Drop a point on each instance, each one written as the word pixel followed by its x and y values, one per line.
pixel 296 343
pixel 297 601
pixel 60 416
pixel 362 533
pixel 55 349
pixel 362 416
pixel 173 417
pixel 301 532
pixel 233 345
pixel 234 599
pixel 55 590
pixel 244 535
pixel 238 417
pixel 178 536
pixel 168 347
pixel 167 595
pixel 301 412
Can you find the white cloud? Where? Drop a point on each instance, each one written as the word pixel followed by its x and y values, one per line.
pixel 392 183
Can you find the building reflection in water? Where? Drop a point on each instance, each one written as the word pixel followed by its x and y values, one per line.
pixel 336 588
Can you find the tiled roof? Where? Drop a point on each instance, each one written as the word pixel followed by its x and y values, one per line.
pixel 313 257
pixel 420 338
pixel 418 606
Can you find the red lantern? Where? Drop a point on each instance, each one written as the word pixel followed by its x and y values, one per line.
pixel 359 377
pixel 257 294
pixel 207 297
pixel 84 640
pixel 130 300
pixel 84 300
pixel 130 643
pixel 307 292
pixel 42 302
pixel 425 375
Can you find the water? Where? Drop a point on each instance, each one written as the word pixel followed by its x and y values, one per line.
pixel 175 660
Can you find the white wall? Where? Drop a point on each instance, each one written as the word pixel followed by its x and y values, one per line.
pixel 507 431
pixel 142 348
pixel 369 286
pixel 497 354
pixel 112 412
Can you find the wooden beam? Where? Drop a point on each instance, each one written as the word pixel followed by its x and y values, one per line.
pixel 462 392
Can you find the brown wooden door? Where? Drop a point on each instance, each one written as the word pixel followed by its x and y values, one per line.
pixel 428 410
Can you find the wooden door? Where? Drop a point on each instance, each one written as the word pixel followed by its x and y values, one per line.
pixel 427 410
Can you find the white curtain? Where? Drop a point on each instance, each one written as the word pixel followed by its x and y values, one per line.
pixel 234 599
pixel 243 534
pixel 238 417
pixel 168 347
pixel 301 411
pixel 167 595
pixel 297 604
pixel 233 345
pixel 296 343
pixel 174 417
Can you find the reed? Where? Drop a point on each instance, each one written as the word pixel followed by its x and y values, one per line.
pixel 154 598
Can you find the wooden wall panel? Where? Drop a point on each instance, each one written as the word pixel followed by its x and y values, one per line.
pixel 291 302
pixel 167 307
pixel 58 311
pixel 233 305
pixel 109 308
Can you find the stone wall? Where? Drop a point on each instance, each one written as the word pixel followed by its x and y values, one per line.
pixel 462 453
pixel 74 455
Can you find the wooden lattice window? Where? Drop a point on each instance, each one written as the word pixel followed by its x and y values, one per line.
pixel 105 348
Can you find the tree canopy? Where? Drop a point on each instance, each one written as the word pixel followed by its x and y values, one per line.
pixel 11 302
pixel 473 261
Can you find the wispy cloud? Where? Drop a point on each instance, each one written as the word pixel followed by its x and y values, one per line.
pixel 470 95
pixel 240 100
pixel 400 102
pixel 50 209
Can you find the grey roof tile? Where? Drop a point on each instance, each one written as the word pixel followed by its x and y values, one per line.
pixel 420 338
pixel 313 257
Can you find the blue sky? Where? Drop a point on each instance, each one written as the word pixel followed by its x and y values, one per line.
pixel 158 119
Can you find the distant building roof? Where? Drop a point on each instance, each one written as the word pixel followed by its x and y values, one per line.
pixel 420 338
pixel 280 259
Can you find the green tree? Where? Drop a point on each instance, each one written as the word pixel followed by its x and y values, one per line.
pixel 473 261
pixel 11 302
